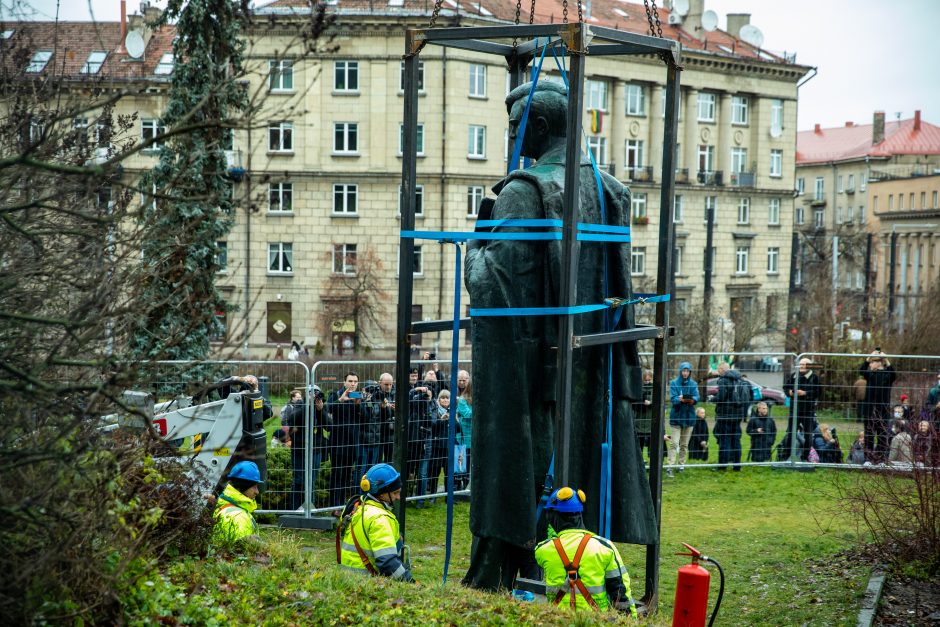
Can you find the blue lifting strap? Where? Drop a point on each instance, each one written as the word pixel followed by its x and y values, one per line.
pixel 520 134
pixel 452 417
pixel 547 486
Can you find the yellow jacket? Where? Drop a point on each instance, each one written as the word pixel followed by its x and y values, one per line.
pixel 233 519
pixel 601 570
pixel 376 531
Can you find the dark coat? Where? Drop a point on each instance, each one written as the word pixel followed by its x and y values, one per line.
pixel 699 435
pixel 725 406
pixel 643 412
pixel 878 384
pixel 346 419
pixel 761 443
pixel 293 417
pixel 805 406
pixel 514 365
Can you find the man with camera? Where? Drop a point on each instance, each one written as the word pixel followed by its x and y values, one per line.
pixel 420 404
pixel 803 390
pixel 875 408
pixel 345 407
pixel 293 416
pixel 385 400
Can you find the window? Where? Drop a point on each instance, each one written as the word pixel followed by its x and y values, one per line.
pixel 862 182
pixel 677 259
pixel 475 195
pixel 280 258
pixel 911 205
pixel 839 184
pixel 419 200
pixel 281 137
pixel 476 142
pixel 739 159
pixel 819 218
pixel 151 130
pixel 677 208
pixel 776 117
pixel 711 202
pixel 859 280
pixel 773 260
pixel 741 259
pixel 345 137
pixel 773 211
pixel 636 99
pixel 638 205
pixel 923 200
pixel 281 75
pixel 851 185
pixel 39 61
pixel 344 259
pixel 861 214
pixel 663 92
pixel 598 148
pixel 890 201
pixel 280 197
pixel 417 265
pixel 900 201
pixel 345 198
pixel 744 211
pixel 401 140
pixel 776 163
pixel 94 62
pixel 637 261
pixel 820 190
pixel 800 186
pixel 221 256
pixel 634 157
pixel 706 107
pixel 799 216
pixel 839 218
pixel 596 94
pixel 401 77
pixel 739 109
pixel 850 214
pixel 477 80
pixel 346 76
pixel 934 196
pixel 165 65
pixel 706 158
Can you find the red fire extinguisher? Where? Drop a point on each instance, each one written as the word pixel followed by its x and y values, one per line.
pixel 692 591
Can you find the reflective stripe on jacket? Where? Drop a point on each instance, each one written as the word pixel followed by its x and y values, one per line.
pixel 601 569
pixel 233 519
pixel 376 530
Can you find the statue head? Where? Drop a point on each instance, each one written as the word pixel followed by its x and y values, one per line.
pixel 548 116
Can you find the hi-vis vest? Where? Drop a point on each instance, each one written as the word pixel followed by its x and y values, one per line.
pixel 598 562
pixel 233 519
pixel 372 534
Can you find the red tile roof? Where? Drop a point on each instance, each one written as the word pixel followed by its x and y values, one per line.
pixel 620 14
pixel 72 43
pixel 845 143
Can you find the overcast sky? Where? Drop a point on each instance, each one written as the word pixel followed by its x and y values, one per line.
pixel 871 54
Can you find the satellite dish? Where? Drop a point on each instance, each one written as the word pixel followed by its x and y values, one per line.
pixel 681 7
pixel 134 44
pixel 709 20
pixel 751 34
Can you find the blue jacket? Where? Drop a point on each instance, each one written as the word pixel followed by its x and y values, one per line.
pixel 683 414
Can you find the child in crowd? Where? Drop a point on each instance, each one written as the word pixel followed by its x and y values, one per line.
pixel 763 431
pixel 698 444
pixel 857 453
pixel 901 447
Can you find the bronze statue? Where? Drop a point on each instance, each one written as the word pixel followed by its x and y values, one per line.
pixel 515 359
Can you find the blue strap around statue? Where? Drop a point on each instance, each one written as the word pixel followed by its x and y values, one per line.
pixel 452 415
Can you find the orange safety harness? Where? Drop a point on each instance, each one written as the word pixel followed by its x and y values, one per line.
pixel 339 534
pixel 575 584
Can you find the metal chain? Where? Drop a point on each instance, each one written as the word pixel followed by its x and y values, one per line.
pixel 436 12
pixel 580 13
pixel 652 15
pixel 532 13
pixel 518 11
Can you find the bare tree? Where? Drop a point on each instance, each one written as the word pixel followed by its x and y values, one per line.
pixel 357 293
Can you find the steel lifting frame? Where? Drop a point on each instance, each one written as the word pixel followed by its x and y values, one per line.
pixel 579 41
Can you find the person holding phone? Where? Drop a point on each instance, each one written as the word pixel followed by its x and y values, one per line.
pixel 683 392
pixel 345 406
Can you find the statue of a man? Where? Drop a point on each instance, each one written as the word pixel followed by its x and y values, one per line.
pixel 515 358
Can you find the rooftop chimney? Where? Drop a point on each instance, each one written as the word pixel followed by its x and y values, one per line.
pixel 917 120
pixel 878 128
pixel 817 130
pixel 736 21
pixel 120 48
pixel 692 22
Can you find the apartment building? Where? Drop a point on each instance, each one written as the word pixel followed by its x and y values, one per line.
pixel 856 184
pixel 317 180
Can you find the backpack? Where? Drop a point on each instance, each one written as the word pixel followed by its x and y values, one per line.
pixel 756 394
pixel 741 395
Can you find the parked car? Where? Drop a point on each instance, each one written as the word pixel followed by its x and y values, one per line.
pixel 771 396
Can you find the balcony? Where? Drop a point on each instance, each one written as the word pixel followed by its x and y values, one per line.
pixel 743 179
pixel 640 173
pixel 850 190
pixel 711 177
pixel 682 175
pixel 233 164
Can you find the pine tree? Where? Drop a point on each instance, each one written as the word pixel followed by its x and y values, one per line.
pixel 192 204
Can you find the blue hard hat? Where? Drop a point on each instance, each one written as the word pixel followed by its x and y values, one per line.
pixel 380 479
pixel 567 501
pixel 247 471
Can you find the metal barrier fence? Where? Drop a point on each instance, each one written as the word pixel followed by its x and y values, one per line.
pixel 351 420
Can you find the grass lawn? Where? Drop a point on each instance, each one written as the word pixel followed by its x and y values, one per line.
pixel 770 529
